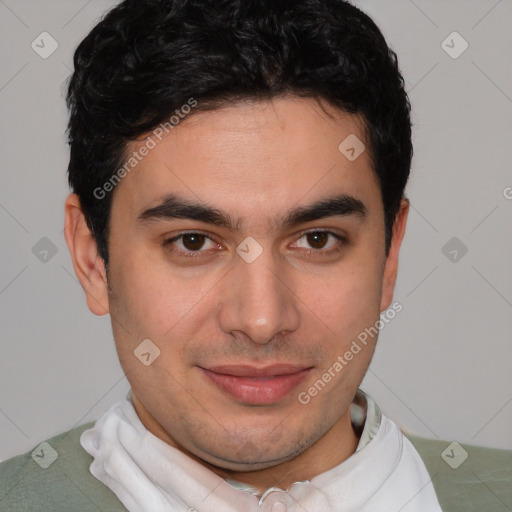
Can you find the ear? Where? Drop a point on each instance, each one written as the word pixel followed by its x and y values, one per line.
pixel 391 265
pixel 88 264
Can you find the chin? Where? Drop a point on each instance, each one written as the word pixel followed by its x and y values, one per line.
pixel 254 454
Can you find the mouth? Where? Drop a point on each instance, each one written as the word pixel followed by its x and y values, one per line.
pixel 257 386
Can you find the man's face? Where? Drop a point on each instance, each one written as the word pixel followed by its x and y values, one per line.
pixel 242 333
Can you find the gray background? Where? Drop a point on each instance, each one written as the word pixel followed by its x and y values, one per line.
pixel 442 367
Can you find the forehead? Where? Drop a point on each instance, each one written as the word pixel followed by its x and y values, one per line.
pixel 253 159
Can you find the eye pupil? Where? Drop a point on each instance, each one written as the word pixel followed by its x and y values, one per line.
pixel 317 239
pixel 193 241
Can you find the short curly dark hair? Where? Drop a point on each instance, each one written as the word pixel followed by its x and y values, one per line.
pixel 146 58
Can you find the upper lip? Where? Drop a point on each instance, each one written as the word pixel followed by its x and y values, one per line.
pixel 252 371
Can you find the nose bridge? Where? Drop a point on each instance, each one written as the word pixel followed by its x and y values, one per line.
pixel 258 301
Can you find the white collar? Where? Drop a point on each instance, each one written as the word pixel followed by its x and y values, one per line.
pixel 147 474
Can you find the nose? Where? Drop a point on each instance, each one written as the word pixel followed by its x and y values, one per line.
pixel 258 299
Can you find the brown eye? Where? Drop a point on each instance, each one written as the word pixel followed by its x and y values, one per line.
pixel 321 242
pixel 193 241
pixel 193 244
pixel 317 239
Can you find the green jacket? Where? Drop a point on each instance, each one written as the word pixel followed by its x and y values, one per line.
pixel 482 483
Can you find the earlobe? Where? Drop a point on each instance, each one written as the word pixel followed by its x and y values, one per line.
pixel 88 264
pixel 391 265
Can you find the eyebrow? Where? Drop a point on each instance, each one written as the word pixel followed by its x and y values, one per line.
pixel 174 207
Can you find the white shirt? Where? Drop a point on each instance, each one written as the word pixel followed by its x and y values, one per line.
pixel 385 473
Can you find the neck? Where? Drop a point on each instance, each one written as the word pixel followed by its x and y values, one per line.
pixel 335 446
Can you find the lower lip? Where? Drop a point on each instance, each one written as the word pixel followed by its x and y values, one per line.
pixel 257 391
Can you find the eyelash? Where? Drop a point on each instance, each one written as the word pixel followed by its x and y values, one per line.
pixel 197 254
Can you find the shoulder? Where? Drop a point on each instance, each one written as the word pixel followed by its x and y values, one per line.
pixel 55 476
pixel 465 477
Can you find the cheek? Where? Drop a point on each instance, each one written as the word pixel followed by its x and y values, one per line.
pixel 346 300
pixel 150 296
pixel 152 301
pixel 348 304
